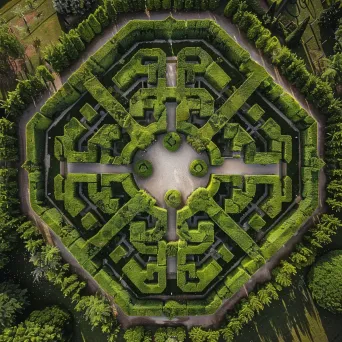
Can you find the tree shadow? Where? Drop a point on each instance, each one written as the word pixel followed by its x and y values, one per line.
pixel 294 317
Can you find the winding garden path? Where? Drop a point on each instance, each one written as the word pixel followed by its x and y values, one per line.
pixel 260 276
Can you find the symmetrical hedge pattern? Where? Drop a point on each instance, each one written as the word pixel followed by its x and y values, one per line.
pixel 227 107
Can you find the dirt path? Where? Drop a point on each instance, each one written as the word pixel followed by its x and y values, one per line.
pixel 264 273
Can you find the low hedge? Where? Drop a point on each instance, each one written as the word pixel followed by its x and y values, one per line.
pixel 198 168
pixel 143 168
pixel 325 281
pixel 173 198
pixel 172 141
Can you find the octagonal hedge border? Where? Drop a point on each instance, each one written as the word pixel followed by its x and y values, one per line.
pixel 86 79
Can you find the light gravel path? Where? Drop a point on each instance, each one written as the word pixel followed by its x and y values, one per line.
pixel 264 273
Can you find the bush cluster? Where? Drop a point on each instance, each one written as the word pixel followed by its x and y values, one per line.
pixel 173 198
pixel 143 168
pixel 26 92
pixel 172 141
pixel 325 281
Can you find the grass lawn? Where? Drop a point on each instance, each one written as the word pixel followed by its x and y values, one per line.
pixel 297 12
pixel 43 23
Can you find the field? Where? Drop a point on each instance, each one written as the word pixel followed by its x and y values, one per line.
pixel 42 23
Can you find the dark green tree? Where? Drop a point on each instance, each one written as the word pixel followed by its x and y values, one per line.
pixel 294 37
pixel 56 56
pixel 46 325
pixel 70 50
pixel 94 24
pixel 13 301
pixel 325 281
pixel 76 40
pixel 72 7
pixel 101 16
pixel 8 141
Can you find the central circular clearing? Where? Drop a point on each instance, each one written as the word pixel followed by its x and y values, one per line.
pixel 170 170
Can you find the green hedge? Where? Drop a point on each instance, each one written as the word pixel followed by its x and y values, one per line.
pixel 143 168
pixel 173 198
pixel 198 168
pixel 172 141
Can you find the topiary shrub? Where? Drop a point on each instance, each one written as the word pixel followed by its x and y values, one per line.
pixel 198 168
pixel 172 141
pixel 143 168
pixel 173 198
pixel 325 281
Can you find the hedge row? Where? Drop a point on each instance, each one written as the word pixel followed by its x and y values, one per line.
pixel 312 87
pixel 26 92
pixel 149 62
pixel 71 45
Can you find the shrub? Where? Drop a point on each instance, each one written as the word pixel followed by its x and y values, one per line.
pixel 56 56
pixel 325 281
pixel 72 7
pixel 70 50
pixel 198 168
pixel 256 222
pixel 85 31
pixel 101 16
pixel 294 37
pixel 172 141
pixel 94 24
pixel 76 40
pixel 173 198
pixel 143 168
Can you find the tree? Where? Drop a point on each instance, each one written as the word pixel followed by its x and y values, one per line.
pixel 101 16
pixel 235 325
pixel 325 281
pixel 8 141
pixel 135 334
pixel 272 291
pixel 231 8
pixel 13 301
pixel 264 296
pixel 72 7
pixel 163 334
pixel 246 313
pixel 254 303
pixel 70 50
pixel 45 325
pixel 97 312
pixel 197 334
pixel 330 16
pixel 228 334
pixel 333 72
pixel 48 259
pixel 111 10
pixel 56 56
pixel 294 37
pixel 10 49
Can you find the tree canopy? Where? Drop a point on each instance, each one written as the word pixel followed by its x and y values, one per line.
pixel 325 281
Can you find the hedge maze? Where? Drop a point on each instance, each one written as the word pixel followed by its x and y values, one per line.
pixel 228 108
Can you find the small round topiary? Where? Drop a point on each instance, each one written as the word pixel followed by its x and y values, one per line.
pixel 143 168
pixel 172 141
pixel 173 198
pixel 325 281
pixel 198 168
